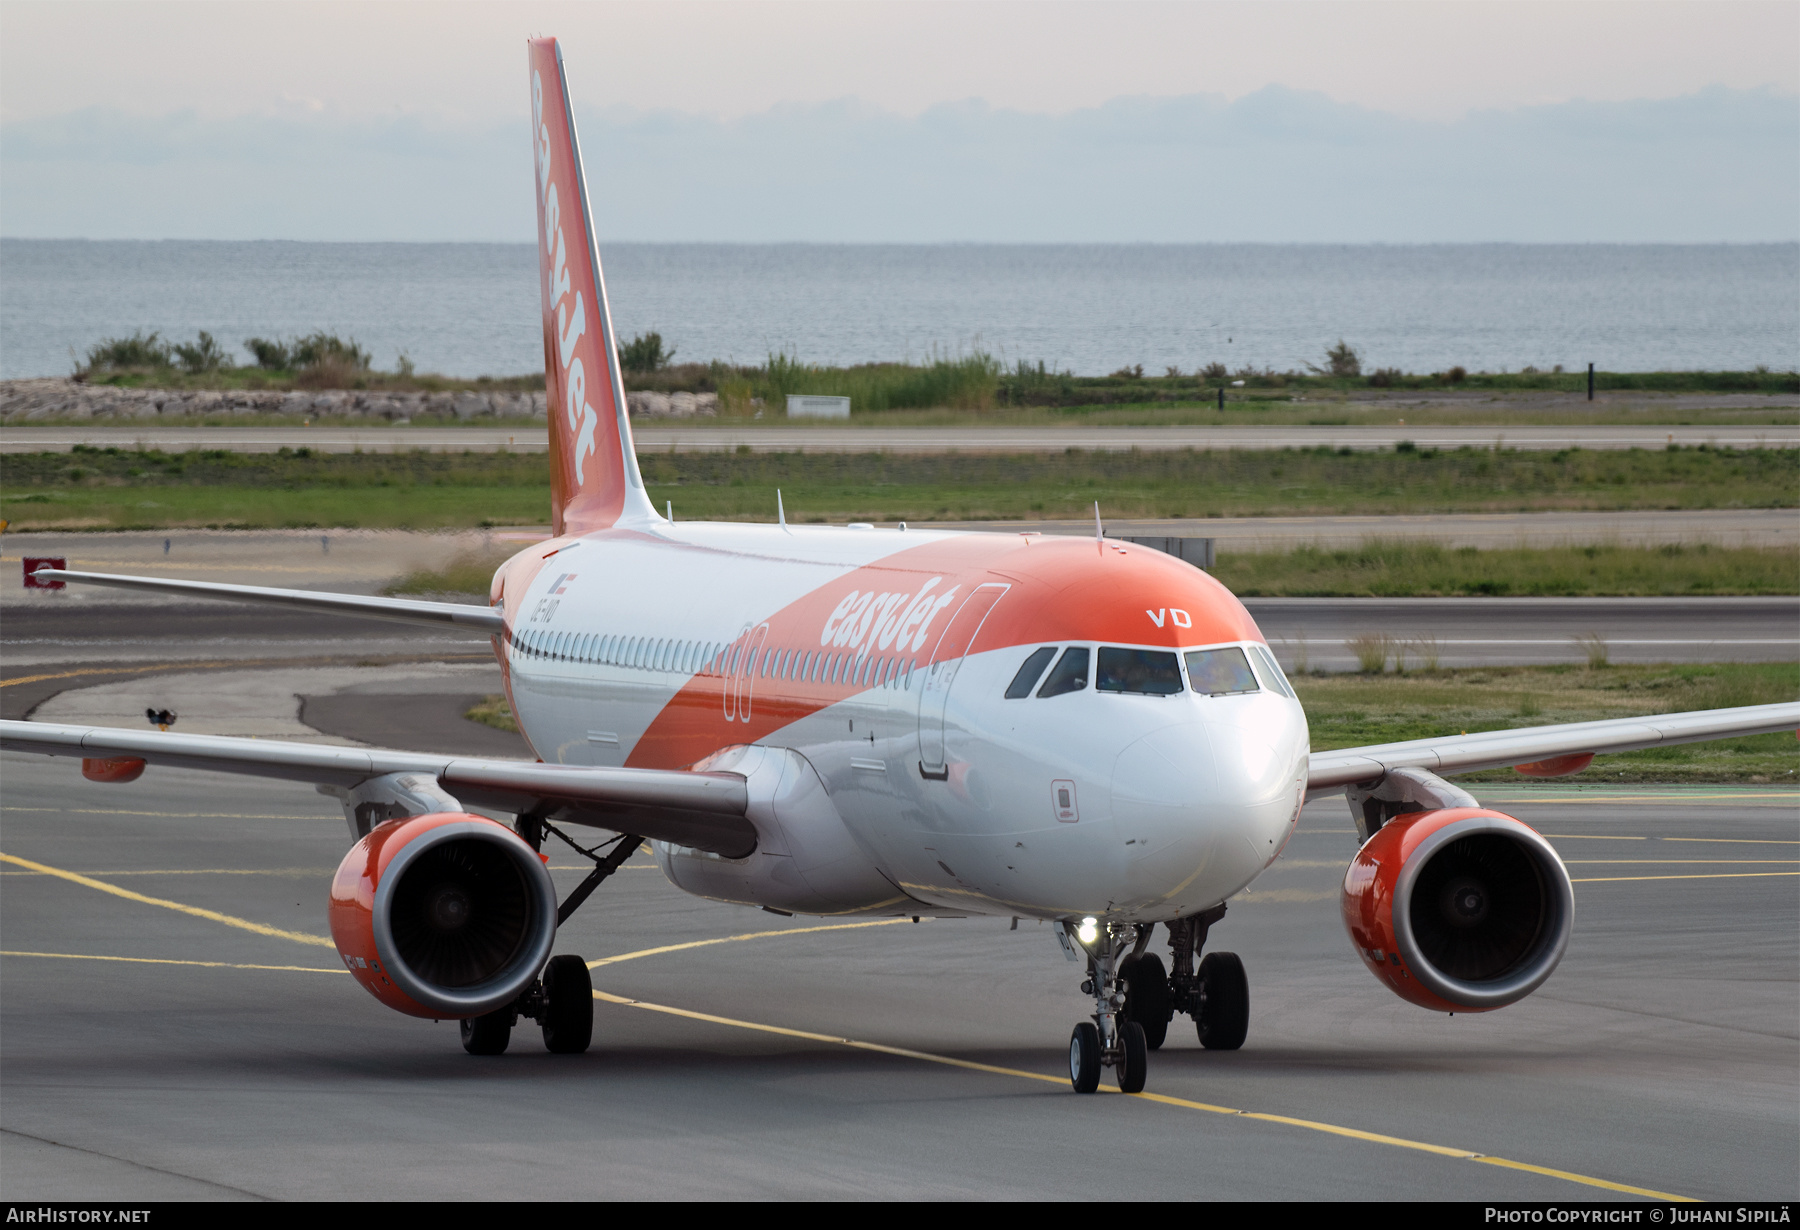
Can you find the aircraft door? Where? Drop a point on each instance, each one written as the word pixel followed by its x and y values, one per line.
pixel 946 659
pixel 740 687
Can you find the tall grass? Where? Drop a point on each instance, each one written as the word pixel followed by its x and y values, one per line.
pixel 140 350
pixel 966 383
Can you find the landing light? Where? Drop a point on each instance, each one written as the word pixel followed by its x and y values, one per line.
pixel 1088 931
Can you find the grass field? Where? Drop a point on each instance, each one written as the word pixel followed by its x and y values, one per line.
pixel 1355 710
pixel 1350 710
pixel 125 489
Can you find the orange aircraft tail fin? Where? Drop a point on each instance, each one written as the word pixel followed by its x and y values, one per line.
pixel 594 479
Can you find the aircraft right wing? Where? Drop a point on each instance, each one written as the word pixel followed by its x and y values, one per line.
pixel 1329 772
pixel 704 810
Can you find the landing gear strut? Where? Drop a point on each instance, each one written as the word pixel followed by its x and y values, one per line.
pixel 1135 997
pixel 1112 1039
pixel 1217 996
pixel 562 1000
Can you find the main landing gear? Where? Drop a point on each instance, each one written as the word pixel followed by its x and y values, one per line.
pixel 1136 996
pixel 561 1001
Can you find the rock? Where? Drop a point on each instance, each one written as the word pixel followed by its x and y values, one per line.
pixel 681 405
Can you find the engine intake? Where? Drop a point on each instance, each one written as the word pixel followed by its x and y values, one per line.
pixel 1459 909
pixel 443 915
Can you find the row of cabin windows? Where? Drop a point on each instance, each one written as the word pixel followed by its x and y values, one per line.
pixel 1150 672
pixel 713 658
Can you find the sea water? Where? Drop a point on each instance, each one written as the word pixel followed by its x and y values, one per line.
pixel 473 309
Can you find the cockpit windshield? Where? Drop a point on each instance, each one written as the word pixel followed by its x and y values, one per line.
pixel 1220 672
pixel 1146 672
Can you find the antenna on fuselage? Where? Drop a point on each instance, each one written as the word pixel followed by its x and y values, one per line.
pixel 1099 532
pixel 780 511
pixel 669 507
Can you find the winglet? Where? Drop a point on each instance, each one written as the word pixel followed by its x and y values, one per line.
pixel 594 480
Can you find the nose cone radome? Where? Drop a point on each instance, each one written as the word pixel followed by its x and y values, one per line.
pixel 1202 807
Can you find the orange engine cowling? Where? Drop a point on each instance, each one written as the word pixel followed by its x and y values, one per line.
pixel 443 915
pixel 1460 909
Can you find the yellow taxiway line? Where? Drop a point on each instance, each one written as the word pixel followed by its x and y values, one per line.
pixel 88 956
pixel 244 924
pixel 1312 1125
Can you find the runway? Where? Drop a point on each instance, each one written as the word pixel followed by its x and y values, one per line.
pixel 83 629
pixel 156 653
pixel 156 1047
pixel 360 561
pixel 714 437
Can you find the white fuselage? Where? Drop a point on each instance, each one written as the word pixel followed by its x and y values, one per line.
pixel 884 779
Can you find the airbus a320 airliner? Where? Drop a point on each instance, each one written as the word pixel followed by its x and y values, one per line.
pixel 847 721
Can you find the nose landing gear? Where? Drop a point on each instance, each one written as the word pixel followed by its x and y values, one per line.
pixel 1135 998
pixel 1112 1039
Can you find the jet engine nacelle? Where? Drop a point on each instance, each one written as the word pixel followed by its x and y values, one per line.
pixel 1460 909
pixel 444 915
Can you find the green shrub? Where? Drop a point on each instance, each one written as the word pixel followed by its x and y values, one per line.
pixel 203 355
pixel 644 353
pixel 329 350
pixel 1342 360
pixel 122 353
pixel 271 355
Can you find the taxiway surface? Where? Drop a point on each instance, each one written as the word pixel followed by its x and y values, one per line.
pixel 155 1048
pixel 157 1041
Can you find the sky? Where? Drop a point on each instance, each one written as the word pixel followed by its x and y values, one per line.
pixel 757 120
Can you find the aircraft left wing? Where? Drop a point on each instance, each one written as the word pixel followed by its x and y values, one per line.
pixel 1329 772
pixel 397 610
pixel 703 810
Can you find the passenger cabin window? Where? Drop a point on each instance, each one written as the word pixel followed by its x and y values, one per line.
pixel 1070 674
pixel 1220 672
pixel 1142 672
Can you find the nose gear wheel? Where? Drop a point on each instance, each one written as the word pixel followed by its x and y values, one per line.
pixel 1114 1038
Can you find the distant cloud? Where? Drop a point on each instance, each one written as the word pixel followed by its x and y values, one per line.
pixel 1276 165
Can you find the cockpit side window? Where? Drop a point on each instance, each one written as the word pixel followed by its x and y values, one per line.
pixel 1069 675
pixel 1269 671
pixel 1220 672
pixel 1028 674
pixel 1146 672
